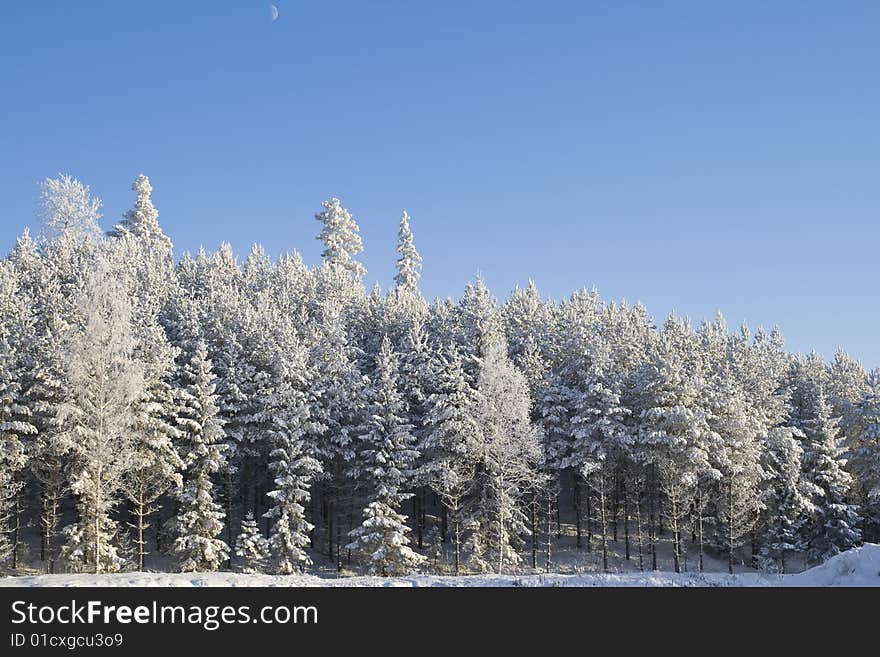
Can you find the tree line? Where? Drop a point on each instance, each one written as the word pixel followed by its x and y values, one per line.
pixel 252 415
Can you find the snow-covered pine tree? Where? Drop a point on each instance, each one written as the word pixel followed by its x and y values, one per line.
pixel 568 335
pixel 865 455
pixel 292 468
pixel 251 547
pixel 142 222
pixel 104 382
pixel 532 362
pixel 200 519
pixel 787 498
pixel 143 263
pixel 735 454
pixel 156 465
pixel 834 527
pixel 600 435
pixel 673 423
pixel 40 284
pixel 337 401
pixel 409 264
pixel 15 415
pixel 385 459
pixel 845 384
pixel 478 322
pixel 452 444
pixel 341 238
pixel 67 209
pixel 511 454
pixel 526 318
pixel 417 381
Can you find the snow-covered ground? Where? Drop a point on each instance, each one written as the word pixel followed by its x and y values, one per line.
pixel 856 567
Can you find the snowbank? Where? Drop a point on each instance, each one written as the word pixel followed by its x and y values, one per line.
pixel 856 567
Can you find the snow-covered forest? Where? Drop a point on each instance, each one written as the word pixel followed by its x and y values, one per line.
pixel 209 413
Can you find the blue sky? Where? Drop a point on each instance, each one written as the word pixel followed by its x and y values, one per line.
pixel 691 155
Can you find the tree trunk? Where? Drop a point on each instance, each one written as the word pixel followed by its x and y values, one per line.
pixel 230 486
pixel 625 518
pixel 653 527
pixel 639 529
pixel 42 524
pixel 682 549
pixel 501 536
pixel 139 513
pixel 338 541
pixel 534 528
pixel 97 532
pixel 421 524
pixel 602 506
pixel 350 517
pixel 558 517
pixel 456 528
pixel 16 531
pixel 576 502
pixel 615 508
pixel 673 525
pixel 700 524
pixel 589 521
pixel 51 519
pixel 549 533
pixel 730 526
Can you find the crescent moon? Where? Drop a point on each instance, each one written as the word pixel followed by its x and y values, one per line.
pixel 273 12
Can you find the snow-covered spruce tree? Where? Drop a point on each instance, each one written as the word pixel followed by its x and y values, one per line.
pixel 15 415
pixel 142 221
pixel 865 455
pixel 200 520
pixel 104 382
pixel 218 314
pixel 452 444
pixel 600 432
pixel 40 283
pixel 477 322
pixel 156 466
pixel 570 333
pixel 846 383
pixel 511 454
pixel 527 321
pixel 251 547
pixel 409 264
pixel 144 264
pixel 673 423
pixel 251 380
pixel 804 374
pixel 531 361
pixel 341 238
pixel 417 381
pixel 292 468
pixel 337 401
pixel 834 526
pixel 787 498
pixel 385 459
pixel 67 210
pixel 628 336
pixel 736 457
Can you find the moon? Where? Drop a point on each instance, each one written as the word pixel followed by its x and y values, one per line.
pixel 273 12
